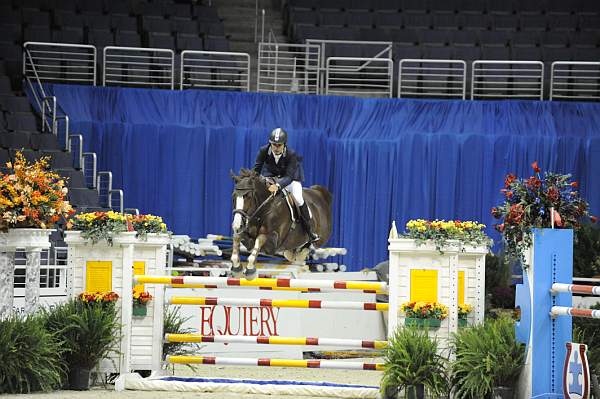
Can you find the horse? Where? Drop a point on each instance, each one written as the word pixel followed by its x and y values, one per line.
pixel 265 222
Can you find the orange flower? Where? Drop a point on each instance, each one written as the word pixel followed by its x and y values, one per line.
pixel 535 167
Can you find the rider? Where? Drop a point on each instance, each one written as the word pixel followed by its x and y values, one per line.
pixel 285 166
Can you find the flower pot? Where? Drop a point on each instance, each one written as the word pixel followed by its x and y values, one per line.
pixel 462 323
pixel 422 323
pixel 502 393
pixel 139 310
pixel 415 391
pixel 79 379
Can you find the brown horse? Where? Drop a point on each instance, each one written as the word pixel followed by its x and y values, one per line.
pixel 263 221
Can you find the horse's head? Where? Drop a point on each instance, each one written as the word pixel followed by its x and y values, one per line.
pixel 249 191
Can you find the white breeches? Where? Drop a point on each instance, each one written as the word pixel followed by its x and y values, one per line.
pixel 295 187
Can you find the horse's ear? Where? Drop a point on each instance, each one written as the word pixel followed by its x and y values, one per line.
pixel 233 176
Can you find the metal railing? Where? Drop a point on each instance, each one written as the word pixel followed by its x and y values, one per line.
pixel 507 79
pixel 214 70
pixel 432 78
pixel 575 80
pixel 349 49
pixel 89 168
pixel 60 62
pixel 137 66
pixel 364 77
pixel 118 196
pixel 288 68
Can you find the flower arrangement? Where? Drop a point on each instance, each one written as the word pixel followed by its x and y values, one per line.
pixel 464 310
pixel 548 200
pixel 425 310
pixel 97 226
pixel 440 231
pixel 144 224
pixel 141 297
pixel 98 297
pixel 32 196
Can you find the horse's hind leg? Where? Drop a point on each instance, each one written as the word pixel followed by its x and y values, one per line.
pixel 236 268
pixel 251 266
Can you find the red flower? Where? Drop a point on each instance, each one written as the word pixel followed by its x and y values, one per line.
pixel 594 219
pixel 553 194
pixel 499 227
pixel 535 167
pixel 515 214
pixel 508 194
pixel 574 184
pixel 509 179
pixel 533 183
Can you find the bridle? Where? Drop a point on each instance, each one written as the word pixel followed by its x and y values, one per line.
pixel 247 220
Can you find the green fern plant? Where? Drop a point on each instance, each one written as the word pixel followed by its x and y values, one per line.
pixel 30 356
pixel 410 359
pixel 487 356
pixel 174 324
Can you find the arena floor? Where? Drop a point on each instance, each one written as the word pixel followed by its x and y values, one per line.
pixel 338 376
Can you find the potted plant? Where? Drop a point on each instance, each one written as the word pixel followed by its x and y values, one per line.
pixel 488 360
pixel 540 201
pixel 463 312
pixel 88 327
pixel 424 314
pixel 412 364
pixel 443 232
pixel 140 300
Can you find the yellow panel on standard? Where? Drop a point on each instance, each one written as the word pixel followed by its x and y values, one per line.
pixel 98 276
pixel 423 285
pixel 461 287
pixel 139 269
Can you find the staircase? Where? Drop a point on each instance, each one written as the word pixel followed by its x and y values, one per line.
pixel 239 18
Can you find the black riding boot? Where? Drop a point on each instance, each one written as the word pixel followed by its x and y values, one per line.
pixel 305 219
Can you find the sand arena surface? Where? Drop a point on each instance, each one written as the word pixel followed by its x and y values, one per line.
pixel 266 373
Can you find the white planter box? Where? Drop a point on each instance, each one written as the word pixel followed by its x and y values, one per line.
pixel 126 251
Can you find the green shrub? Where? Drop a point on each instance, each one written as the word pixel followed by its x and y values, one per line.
pixel 30 356
pixel 411 358
pixel 88 331
pixel 487 356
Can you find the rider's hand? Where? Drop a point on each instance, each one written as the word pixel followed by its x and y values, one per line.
pixel 273 188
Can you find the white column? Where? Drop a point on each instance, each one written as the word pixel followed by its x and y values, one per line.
pixel 126 307
pixel 7 281
pixel 32 280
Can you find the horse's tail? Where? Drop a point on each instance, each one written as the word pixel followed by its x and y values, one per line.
pixel 324 192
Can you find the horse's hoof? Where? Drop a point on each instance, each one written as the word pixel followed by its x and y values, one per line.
pixel 237 272
pixel 250 274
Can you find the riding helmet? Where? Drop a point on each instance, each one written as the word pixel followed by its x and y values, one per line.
pixel 278 136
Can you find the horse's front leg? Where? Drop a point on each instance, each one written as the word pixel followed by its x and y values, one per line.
pixel 236 268
pixel 251 265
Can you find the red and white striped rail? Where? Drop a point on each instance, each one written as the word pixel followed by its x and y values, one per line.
pixel 278 303
pixel 263 282
pixel 276 340
pixel 575 312
pixel 235 361
pixel 575 289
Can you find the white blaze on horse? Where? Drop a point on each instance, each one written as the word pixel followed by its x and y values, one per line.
pixel 268 223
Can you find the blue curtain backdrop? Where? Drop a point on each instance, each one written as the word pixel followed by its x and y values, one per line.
pixel 383 160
